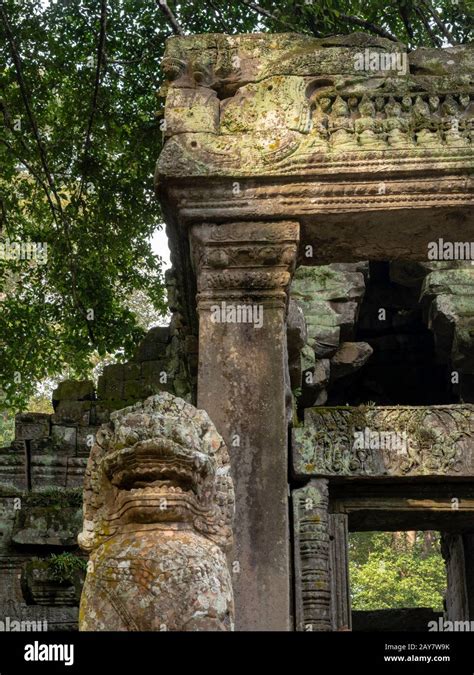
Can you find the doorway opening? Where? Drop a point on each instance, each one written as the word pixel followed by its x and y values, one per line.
pixel 404 367
pixel 397 580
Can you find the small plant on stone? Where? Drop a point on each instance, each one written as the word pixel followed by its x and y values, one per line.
pixel 65 566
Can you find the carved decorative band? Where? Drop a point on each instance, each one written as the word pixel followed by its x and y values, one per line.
pixel 247 232
pixel 245 258
pixel 312 574
pixel 379 121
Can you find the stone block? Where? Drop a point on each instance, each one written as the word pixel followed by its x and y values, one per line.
pixel 191 110
pixel 191 344
pixel 325 341
pixel 12 469
pixel 69 413
pixel 296 332
pixel 76 468
pixel 349 357
pixel 100 413
pixel 155 372
pixel 114 372
pixel 85 440
pixel 110 389
pixel 135 389
pixel 65 439
pixel 49 525
pixel 49 471
pixel 42 446
pixel 385 441
pixel 308 358
pixel 29 426
pixel 40 587
pixel 131 371
pixel 153 345
pixel 74 390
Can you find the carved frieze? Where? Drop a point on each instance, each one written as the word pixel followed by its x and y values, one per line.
pixel 268 106
pixel 385 441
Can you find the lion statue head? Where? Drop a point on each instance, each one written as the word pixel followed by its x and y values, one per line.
pixel 158 510
pixel 160 461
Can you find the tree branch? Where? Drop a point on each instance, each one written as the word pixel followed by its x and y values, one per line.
pixel 438 22
pixel 26 103
pixel 435 41
pixel 362 23
pixel 44 162
pixel 260 10
pixel 34 173
pixel 219 16
pixel 95 95
pixel 402 10
pixel 172 20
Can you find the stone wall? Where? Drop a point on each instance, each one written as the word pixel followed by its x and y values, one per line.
pixel 447 297
pixel 325 318
pixel 329 297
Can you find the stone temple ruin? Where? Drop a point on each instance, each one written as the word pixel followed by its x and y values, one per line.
pixel 320 223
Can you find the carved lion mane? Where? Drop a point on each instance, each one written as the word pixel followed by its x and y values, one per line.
pixel 158 510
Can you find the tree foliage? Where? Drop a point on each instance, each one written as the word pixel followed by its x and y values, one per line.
pixel 386 575
pixel 78 144
pixel 79 137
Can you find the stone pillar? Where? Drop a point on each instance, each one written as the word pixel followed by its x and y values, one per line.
pixel 243 274
pixel 339 568
pixel 312 557
pixel 452 548
pixel 468 542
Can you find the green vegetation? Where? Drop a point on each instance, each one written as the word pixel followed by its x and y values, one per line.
pixel 65 566
pixel 394 570
pixel 7 428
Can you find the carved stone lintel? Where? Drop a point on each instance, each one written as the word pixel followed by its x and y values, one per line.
pixel 280 117
pixel 385 441
pixel 312 553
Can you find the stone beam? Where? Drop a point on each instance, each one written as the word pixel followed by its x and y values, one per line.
pixel 446 505
pixel 385 442
pixel 243 273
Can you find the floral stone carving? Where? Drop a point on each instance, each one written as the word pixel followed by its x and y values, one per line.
pixel 158 509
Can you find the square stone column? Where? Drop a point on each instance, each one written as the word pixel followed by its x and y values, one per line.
pixel 243 274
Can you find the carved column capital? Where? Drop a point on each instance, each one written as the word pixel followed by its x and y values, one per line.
pixel 244 260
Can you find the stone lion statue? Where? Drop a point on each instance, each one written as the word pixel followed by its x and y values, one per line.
pixel 158 510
